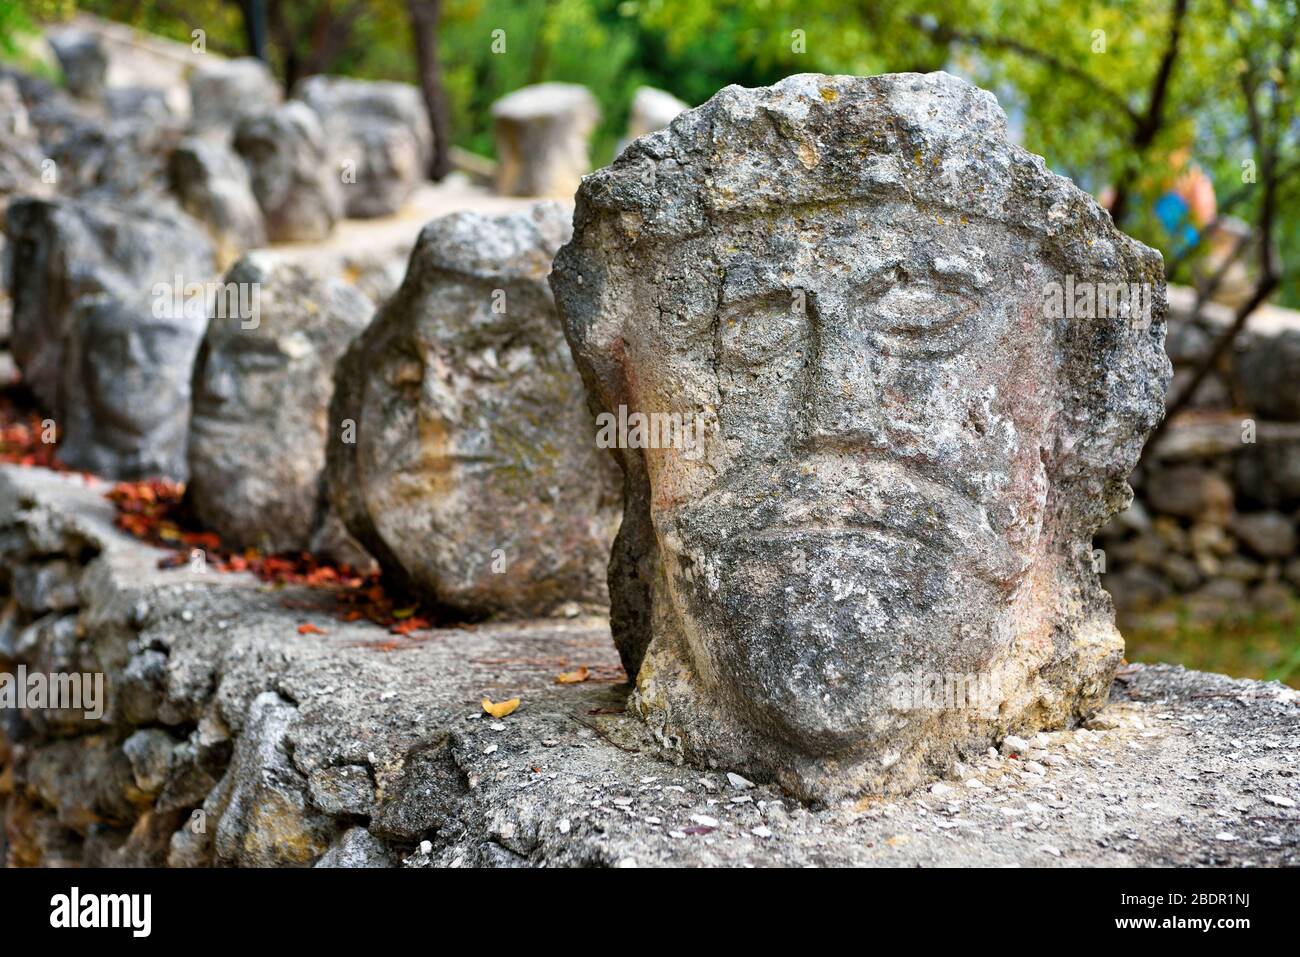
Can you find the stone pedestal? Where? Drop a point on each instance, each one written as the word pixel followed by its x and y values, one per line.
pixel 542 133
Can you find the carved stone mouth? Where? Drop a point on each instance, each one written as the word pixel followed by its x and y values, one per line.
pixel 868 499
pixel 990 561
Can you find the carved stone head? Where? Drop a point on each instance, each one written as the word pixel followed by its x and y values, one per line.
pixel 905 453
pixel 472 478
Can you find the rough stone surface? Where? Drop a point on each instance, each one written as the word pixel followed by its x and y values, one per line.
pixel 20 174
pixel 379 139
pixel 473 478
pixel 262 389
pixel 213 186
pixel 148 103
pixel 1180 768
pixel 286 153
pixel 224 92
pixel 904 458
pixel 104 336
pixel 20 153
pixel 541 136
pixel 357 848
pixel 125 158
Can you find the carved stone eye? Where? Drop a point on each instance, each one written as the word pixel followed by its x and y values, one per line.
pixel 917 310
pixel 930 315
pixel 759 332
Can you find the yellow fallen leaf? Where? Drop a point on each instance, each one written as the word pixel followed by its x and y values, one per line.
pixel 501 708
pixel 898 840
pixel 574 677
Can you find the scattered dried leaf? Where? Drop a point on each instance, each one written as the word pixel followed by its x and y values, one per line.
pixel 501 708
pixel 575 677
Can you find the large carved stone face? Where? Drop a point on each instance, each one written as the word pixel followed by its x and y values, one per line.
pixel 873 489
pixel 905 454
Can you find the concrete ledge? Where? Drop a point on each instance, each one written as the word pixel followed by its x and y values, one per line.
pixel 358 747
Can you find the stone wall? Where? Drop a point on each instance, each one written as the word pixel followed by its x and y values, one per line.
pixel 1217 497
pixel 231 739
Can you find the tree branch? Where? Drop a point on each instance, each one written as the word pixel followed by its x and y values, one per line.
pixel 942 33
pixel 1148 125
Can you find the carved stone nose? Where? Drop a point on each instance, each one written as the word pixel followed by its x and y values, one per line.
pixel 842 405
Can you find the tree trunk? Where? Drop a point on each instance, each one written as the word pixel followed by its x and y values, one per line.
pixel 284 39
pixel 254 13
pixel 425 15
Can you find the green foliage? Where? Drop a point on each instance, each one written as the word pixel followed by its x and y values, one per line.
pixel 1075 77
pixel 20 34
pixel 1238 642
pixel 219 19
pixel 571 41
pixel 14 25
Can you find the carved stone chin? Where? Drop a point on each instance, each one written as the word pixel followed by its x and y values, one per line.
pixel 876 554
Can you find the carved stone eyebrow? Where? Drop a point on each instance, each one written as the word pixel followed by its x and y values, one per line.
pixel 753 287
pixel 960 268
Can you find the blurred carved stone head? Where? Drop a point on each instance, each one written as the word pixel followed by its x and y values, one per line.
pixel 472 478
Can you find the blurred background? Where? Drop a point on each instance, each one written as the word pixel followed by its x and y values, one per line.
pixel 1178 115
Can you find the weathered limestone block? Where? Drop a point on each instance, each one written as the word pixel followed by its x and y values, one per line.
pixel 20 174
pixel 379 139
pixel 472 476
pixel 102 333
pixel 263 817
pixel 50 109
pixel 212 184
pixel 147 103
pixel 357 848
pixel 120 157
pixel 262 389
pixel 1266 367
pixel 20 153
pixel 541 135
pixel 285 150
pixel 223 92
pixel 904 458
